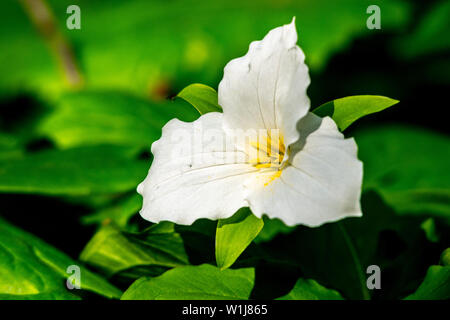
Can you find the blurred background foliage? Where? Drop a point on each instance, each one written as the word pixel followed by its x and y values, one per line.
pixel 79 110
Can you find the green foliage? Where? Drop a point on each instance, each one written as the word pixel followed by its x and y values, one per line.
pixel 142 46
pixel 89 118
pixel 353 244
pixel 310 290
pixel 271 228
pixel 430 35
pixel 133 55
pixel 408 167
pixel 345 111
pixel 202 97
pixel 435 286
pixel 78 171
pixel 157 249
pixel 234 234
pixel 119 211
pixel 32 269
pixel 204 282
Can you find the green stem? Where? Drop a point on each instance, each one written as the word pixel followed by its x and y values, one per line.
pixel 359 269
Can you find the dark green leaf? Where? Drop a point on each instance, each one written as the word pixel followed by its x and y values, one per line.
pixel 337 254
pixel 203 282
pixel 271 228
pixel 430 34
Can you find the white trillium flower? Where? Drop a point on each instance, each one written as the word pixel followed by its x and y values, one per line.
pixel 265 151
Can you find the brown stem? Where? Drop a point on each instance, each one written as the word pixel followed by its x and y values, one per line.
pixel 43 19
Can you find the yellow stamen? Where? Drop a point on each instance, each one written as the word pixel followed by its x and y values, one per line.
pixel 270 154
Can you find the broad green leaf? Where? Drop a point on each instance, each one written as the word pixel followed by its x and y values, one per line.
pixel 32 269
pixel 203 282
pixel 99 117
pixel 202 97
pixel 76 172
pixel 169 52
pixel 408 166
pixel 435 286
pixel 308 289
pixel 234 234
pixel 345 111
pixel 154 250
pixel 119 212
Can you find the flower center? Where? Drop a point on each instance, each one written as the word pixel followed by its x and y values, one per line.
pixel 268 153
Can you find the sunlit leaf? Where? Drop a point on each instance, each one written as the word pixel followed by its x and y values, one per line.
pixel 32 269
pixel 345 111
pixel 203 282
pixel 234 234
pixel 202 97
pixel 156 249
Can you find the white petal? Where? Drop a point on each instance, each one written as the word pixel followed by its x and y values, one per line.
pixel 266 88
pixel 321 184
pixel 188 181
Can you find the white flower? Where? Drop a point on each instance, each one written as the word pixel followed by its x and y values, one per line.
pixel 301 171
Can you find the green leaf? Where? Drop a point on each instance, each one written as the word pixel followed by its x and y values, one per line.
pixel 409 167
pixel 435 286
pixel 345 111
pixel 119 212
pixel 75 172
pixel 234 234
pixel 202 97
pixel 102 117
pixel 32 269
pixel 308 289
pixel 154 250
pixel 203 282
